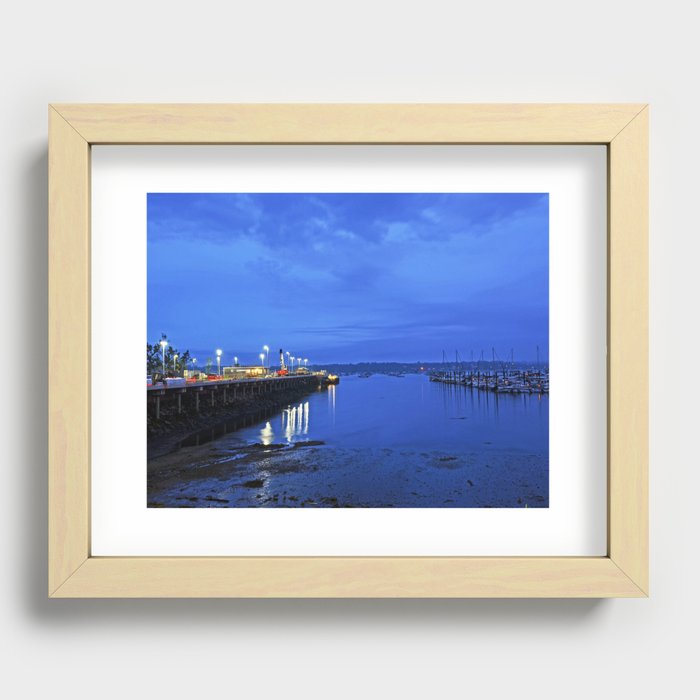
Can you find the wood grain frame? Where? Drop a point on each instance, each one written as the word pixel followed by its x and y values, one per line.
pixel 73 572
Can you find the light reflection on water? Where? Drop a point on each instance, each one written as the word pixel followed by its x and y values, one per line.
pixel 267 436
pixel 294 421
pixel 331 400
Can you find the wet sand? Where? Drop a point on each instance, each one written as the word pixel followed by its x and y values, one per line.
pixel 313 474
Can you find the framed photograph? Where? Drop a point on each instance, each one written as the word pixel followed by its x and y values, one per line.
pixel 355 319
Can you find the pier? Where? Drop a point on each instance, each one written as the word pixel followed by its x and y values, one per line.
pixel 221 392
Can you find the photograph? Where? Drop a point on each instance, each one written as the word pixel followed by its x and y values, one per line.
pixel 347 350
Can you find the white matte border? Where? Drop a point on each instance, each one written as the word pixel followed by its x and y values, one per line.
pixel 575 524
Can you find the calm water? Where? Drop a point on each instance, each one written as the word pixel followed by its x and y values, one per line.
pixel 409 412
pixel 380 441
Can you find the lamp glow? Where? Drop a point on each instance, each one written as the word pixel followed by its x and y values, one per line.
pixel 163 345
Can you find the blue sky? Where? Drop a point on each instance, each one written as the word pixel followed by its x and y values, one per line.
pixel 350 277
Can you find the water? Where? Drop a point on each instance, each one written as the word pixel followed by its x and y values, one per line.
pixel 381 441
pixel 411 413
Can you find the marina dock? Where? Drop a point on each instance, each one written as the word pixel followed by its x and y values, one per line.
pixel 507 381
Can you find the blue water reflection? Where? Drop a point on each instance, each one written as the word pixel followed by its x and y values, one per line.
pixel 412 413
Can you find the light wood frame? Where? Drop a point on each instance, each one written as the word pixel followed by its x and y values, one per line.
pixel 73 572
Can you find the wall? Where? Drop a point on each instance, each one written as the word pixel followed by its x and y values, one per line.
pixel 361 51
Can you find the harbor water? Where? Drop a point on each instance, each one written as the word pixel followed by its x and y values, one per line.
pixel 379 441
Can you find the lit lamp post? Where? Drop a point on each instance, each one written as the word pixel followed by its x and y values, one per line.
pixel 194 362
pixel 287 354
pixel 235 361
pixel 292 359
pixel 175 363
pixel 218 362
pixel 306 361
pixel 267 355
pixel 262 359
pixel 163 344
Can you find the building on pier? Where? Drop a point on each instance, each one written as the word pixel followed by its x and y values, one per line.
pixel 244 371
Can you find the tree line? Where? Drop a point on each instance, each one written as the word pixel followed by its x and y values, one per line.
pixel 176 361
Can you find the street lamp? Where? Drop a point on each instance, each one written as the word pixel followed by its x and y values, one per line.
pixel 287 354
pixel 306 361
pixel 218 362
pixel 235 361
pixel 163 344
pixel 292 359
pixel 262 359
pixel 194 362
pixel 267 355
pixel 175 363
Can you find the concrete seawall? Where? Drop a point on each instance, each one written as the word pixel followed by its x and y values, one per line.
pixel 180 416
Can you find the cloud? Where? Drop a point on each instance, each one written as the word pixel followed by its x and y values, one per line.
pixel 336 270
pixel 400 232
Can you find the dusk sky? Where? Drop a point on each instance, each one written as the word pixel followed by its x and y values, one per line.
pixel 349 277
